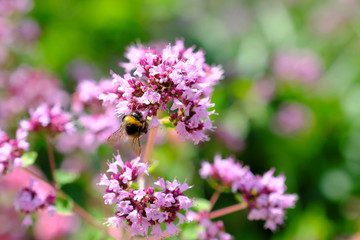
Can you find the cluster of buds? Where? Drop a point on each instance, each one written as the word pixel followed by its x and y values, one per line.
pixel 141 209
pixel 28 202
pixel 174 79
pixel 11 150
pixel 50 119
pixel 264 195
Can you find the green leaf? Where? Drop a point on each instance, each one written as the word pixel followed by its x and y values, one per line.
pixel 239 197
pixel 64 205
pixel 191 231
pixel 153 166
pixel 63 177
pixel 29 158
pixel 166 122
pixel 201 204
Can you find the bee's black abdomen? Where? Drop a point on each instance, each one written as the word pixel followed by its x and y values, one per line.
pixel 132 129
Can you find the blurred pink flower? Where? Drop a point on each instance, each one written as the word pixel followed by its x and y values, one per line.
pixel 330 16
pixel 11 150
pixel 210 230
pixel 266 198
pixel 51 119
pixel 291 118
pixel 264 195
pixel 95 122
pixel 29 30
pixel 10 225
pixel 266 89
pixel 55 227
pixel 8 7
pixel 24 89
pixel 28 202
pixel 301 65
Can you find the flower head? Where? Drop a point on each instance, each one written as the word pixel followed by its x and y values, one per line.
pixel 50 119
pixel 141 209
pixel 266 198
pixel 298 65
pixel 264 195
pixel 11 150
pixel 95 122
pixel 174 79
pixel 227 171
pixel 28 202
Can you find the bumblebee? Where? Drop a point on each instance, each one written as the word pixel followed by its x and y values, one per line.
pixel 133 126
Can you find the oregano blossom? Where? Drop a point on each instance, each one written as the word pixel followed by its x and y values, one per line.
pixel 29 202
pixel 173 79
pixel 142 209
pixel 11 150
pixel 264 195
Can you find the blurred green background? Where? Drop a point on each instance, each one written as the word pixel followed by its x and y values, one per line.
pixel 316 146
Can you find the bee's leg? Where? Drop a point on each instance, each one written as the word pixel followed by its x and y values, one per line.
pixel 144 128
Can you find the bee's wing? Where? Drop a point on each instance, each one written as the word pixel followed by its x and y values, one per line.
pixel 135 145
pixel 116 136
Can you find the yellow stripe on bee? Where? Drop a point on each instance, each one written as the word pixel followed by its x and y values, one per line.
pixel 132 120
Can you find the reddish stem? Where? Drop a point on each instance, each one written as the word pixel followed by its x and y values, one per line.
pixel 149 147
pixel 215 196
pixel 51 159
pixel 150 144
pixel 227 210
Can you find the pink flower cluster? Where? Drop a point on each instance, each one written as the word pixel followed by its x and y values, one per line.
pixel 12 6
pixel 211 230
pixel 143 208
pixel 95 122
pixel 298 65
pixel 11 150
pixel 24 89
pixel 51 119
pixel 292 117
pixel 265 195
pixel 174 79
pixel 29 202
pixel 224 170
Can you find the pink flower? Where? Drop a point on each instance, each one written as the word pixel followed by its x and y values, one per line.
pixel 291 118
pixel 266 198
pixel 11 150
pixel 174 77
pixel 142 209
pixel 210 230
pixel 264 195
pixel 11 6
pixel 52 120
pixel 95 122
pixel 28 202
pixel 227 171
pixel 55 227
pixel 301 65
pixel 27 88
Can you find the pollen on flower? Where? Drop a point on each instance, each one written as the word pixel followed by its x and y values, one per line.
pixel 173 79
pixel 143 209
